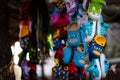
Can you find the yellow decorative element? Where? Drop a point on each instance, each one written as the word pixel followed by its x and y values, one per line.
pixel 54 69
pixel 101 40
pixel 24 30
pixel 56 61
pixel 66 68
pixel 49 40
pixel 96 52
pixel 56 34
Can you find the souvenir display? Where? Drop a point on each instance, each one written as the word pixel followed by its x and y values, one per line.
pixel 78 30
pixel 84 34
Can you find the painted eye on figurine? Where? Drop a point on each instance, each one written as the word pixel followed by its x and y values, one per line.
pixel 91 23
pixel 76 35
pixel 102 44
pixel 76 49
pixel 80 57
pixel 102 23
pixel 82 50
pixel 95 66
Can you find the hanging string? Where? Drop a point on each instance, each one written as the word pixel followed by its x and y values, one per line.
pixel 38 32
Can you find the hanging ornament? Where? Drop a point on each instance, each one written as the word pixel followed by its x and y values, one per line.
pixel 24 34
pixel 95 8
